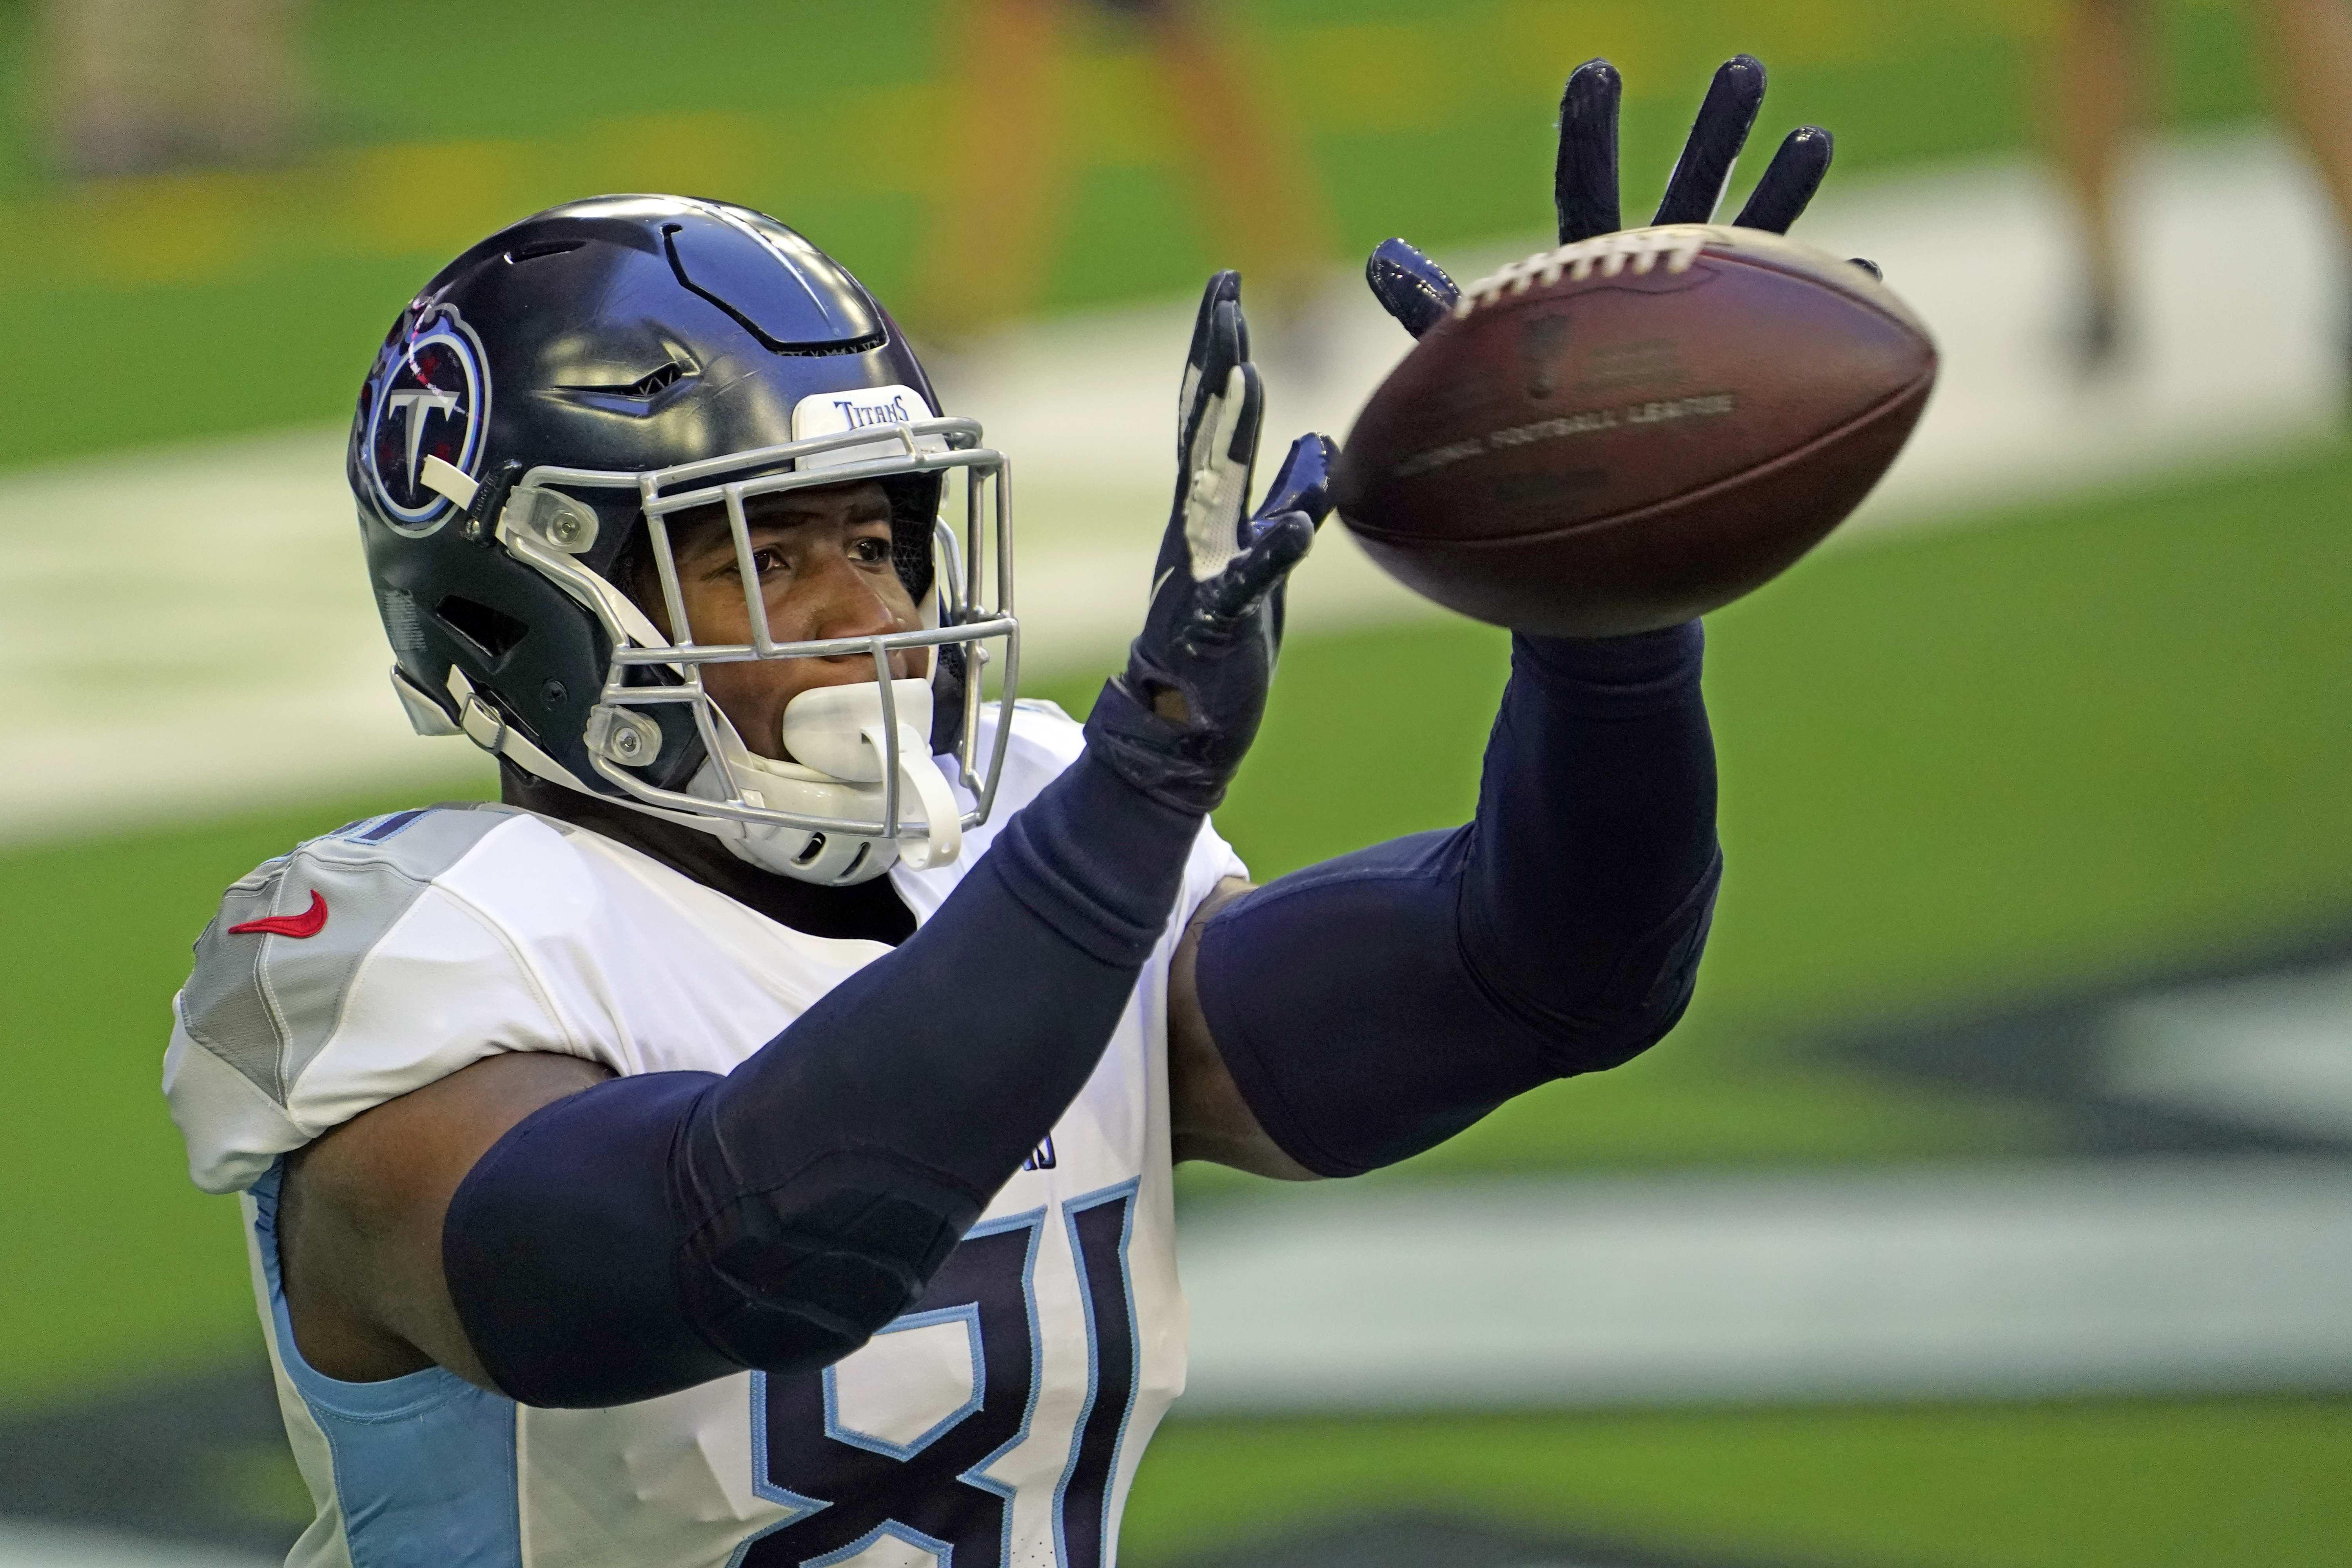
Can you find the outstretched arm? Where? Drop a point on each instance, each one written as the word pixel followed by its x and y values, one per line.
pixel 1361 1011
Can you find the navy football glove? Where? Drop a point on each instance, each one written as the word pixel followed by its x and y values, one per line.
pixel 1417 292
pixel 1176 723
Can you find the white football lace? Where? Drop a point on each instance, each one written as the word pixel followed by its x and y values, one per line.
pixel 1678 243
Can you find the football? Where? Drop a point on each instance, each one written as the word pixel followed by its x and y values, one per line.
pixel 1623 433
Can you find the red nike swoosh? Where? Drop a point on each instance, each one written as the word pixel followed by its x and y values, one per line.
pixel 309 922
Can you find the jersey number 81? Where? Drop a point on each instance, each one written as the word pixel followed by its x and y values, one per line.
pixel 929 1492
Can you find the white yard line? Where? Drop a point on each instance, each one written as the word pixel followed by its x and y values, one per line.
pixel 188 630
pixel 2272 1053
pixel 2024 1281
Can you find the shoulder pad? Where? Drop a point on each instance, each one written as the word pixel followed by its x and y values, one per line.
pixel 273 965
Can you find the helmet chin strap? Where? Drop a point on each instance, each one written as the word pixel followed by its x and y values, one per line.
pixel 840 736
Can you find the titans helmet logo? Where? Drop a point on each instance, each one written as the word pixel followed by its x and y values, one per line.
pixel 430 397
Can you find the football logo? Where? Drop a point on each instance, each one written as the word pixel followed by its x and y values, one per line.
pixel 430 398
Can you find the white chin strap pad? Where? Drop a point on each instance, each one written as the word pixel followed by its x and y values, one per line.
pixel 842 731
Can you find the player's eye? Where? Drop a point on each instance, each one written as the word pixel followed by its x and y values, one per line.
pixel 768 561
pixel 870 550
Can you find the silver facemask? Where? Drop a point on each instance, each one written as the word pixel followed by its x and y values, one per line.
pixel 863 790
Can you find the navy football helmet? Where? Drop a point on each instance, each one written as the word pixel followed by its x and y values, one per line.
pixel 539 413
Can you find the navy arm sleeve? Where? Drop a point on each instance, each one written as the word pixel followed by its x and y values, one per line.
pixel 659 1231
pixel 1372 1007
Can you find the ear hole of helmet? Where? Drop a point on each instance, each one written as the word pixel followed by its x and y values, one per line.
pixel 492 633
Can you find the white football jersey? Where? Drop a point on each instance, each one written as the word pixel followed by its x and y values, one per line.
pixel 997 1424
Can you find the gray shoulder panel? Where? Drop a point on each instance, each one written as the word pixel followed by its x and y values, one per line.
pixel 265 1001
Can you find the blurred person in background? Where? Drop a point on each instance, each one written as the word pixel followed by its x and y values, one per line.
pixel 135 87
pixel 2099 95
pixel 1246 169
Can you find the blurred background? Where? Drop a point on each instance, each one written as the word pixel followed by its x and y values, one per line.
pixel 1993 1206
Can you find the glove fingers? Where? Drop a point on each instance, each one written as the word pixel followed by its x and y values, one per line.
pixel 1222 349
pixel 1214 486
pixel 1303 483
pixel 1239 418
pixel 1410 286
pixel 1584 176
pixel 1223 289
pixel 1789 181
pixel 1215 346
pixel 1717 136
pixel 1205 385
pixel 1276 545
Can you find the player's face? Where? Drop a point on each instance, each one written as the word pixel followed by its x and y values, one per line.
pixel 826 571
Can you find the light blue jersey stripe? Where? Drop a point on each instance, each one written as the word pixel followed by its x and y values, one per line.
pixel 425 1465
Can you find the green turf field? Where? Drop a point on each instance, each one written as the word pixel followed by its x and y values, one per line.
pixel 2080 742
pixel 2141 1484
pixel 212 301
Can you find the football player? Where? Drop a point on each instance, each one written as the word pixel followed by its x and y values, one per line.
pixel 750 1141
